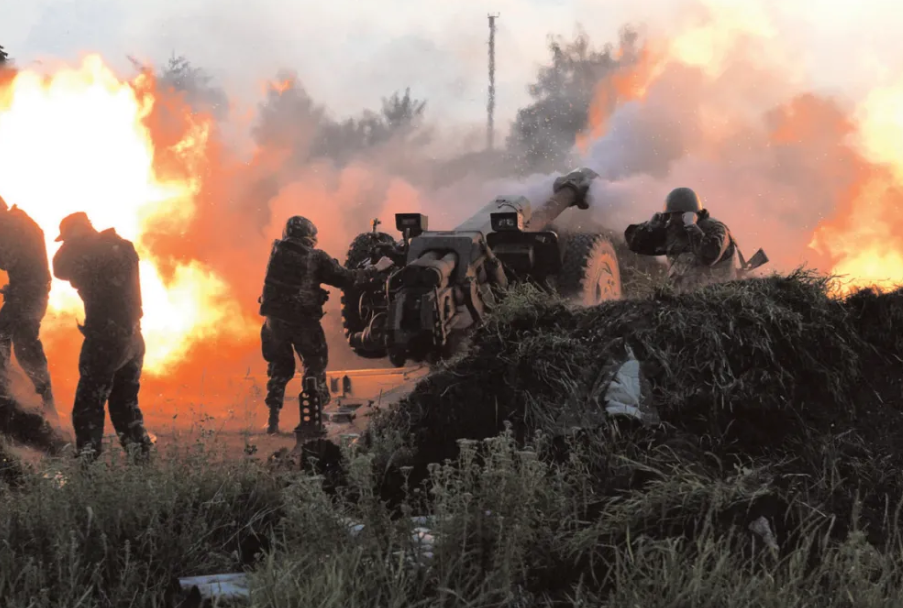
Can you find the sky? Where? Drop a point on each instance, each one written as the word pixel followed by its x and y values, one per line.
pixel 349 53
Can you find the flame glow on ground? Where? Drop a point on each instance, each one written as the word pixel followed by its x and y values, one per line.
pixel 77 141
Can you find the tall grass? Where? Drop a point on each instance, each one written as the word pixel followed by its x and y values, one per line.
pixel 512 525
pixel 490 486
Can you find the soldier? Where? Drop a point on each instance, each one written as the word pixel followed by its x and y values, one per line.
pixel 103 268
pixel 23 255
pixel 292 303
pixel 700 249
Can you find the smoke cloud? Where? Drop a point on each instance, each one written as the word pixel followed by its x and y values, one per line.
pixel 724 102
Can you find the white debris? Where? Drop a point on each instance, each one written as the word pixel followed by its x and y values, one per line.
pixel 625 393
pixel 424 543
pixel 422 537
pixel 219 586
pixel 763 529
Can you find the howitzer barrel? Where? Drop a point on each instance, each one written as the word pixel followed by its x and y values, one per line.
pixel 567 191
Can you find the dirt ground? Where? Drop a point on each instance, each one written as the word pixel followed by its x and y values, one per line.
pixel 237 421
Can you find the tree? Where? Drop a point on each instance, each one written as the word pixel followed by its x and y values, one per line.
pixel 402 112
pixel 4 56
pixel 399 116
pixel 181 76
pixel 544 132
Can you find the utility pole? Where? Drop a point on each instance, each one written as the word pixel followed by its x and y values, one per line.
pixel 490 128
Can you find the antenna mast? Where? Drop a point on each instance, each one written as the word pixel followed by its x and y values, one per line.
pixel 490 107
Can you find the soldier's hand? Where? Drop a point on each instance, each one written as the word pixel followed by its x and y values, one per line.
pixel 384 263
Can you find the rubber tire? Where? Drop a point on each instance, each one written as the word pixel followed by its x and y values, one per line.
pixel 358 251
pixel 590 273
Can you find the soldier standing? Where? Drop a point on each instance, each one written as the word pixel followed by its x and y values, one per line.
pixel 699 248
pixel 103 268
pixel 23 255
pixel 292 303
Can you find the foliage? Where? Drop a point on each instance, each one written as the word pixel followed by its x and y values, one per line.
pixel 545 131
pixel 182 76
pixel 507 523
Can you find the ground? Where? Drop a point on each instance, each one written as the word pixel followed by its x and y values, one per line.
pixel 245 424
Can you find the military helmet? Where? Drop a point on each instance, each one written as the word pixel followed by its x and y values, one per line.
pixel 299 227
pixel 682 200
pixel 72 223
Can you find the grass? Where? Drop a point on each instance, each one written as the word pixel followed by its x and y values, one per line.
pixel 522 509
pixel 514 525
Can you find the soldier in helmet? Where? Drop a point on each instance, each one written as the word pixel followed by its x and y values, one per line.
pixel 292 303
pixel 23 255
pixel 699 248
pixel 103 268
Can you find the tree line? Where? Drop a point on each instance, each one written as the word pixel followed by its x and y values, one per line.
pixel 540 139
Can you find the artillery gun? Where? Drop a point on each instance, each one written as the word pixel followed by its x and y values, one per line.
pixel 446 281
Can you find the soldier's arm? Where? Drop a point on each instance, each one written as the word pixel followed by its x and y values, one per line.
pixel 334 274
pixel 647 238
pixel 65 264
pixel 709 240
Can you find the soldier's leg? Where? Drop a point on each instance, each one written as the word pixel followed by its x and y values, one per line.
pixel 310 342
pixel 276 346
pixel 125 414
pixel 30 353
pixel 96 367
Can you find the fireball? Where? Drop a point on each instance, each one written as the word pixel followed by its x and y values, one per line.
pixel 864 239
pixel 78 140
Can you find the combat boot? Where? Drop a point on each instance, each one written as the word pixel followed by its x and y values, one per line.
pixel 273 422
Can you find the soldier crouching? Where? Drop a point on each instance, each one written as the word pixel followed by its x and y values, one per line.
pixel 292 303
pixel 700 249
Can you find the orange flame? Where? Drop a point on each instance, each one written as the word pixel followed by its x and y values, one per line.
pixel 865 238
pixel 79 140
pixel 628 84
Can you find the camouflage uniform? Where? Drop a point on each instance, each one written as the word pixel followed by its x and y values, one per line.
pixel 292 303
pixel 103 267
pixel 23 255
pixel 699 253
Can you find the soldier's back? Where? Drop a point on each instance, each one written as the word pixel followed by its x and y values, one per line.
pixel 112 289
pixel 23 249
pixel 291 287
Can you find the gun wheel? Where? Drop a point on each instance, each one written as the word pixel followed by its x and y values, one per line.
pixel 589 273
pixel 354 319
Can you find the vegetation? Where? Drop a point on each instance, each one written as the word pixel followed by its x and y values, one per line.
pixel 196 85
pixel 766 419
pixel 544 132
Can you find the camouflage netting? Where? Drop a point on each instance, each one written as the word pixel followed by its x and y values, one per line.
pixel 769 374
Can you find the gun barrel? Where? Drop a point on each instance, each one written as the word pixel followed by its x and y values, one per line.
pixel 568 190
pixel 553 207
